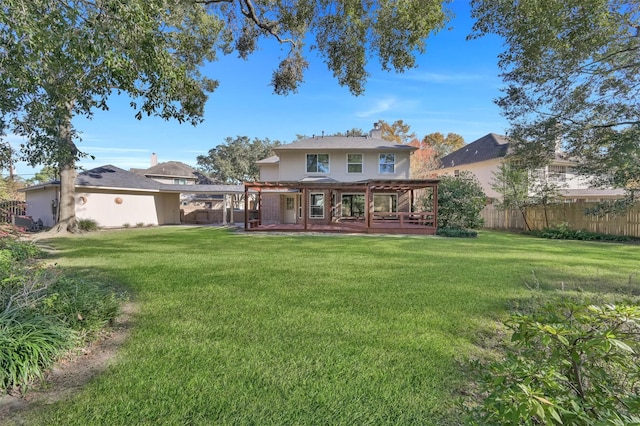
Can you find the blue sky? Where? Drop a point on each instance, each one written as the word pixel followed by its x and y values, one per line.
pixel 452 90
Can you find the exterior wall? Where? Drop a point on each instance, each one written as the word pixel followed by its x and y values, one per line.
pixel 39 205
pixel 117 208
pixel 483 170
pixel 269 172
pixel 270 208
pixel 293 165
pixel 169 180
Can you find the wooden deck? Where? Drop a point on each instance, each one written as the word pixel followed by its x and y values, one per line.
pixel 356 227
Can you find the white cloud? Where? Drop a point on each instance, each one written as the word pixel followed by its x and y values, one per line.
pixel 378 107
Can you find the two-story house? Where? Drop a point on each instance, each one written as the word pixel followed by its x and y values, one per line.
pixel 484 156
pixel 340 183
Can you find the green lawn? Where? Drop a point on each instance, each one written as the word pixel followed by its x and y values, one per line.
pixel 238 328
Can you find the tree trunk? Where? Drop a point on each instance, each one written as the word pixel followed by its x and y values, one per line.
pixel 67 203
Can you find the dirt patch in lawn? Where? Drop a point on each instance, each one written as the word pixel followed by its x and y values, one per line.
pixel 70 374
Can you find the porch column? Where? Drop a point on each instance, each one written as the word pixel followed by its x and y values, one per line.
pixel 305 208
pixel 411 205
pixel 367 210
pixel 231 213
pixel 224 209
pixel 259 207
pixel 246 207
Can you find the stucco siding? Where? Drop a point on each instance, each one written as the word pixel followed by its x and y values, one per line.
pixel 269 173
pixel 483 170
pixel 117 208
pixel 39 205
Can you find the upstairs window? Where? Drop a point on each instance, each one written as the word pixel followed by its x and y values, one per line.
pixel 317 163
pixel 354 163
pixel 387 163
pixel 179 181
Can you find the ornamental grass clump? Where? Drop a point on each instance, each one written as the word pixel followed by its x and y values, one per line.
pixel 43 314
pixel 29 344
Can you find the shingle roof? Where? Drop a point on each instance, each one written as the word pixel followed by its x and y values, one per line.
pixel 114 177
pixel 486 148
pixel 170 168
pixel 343 142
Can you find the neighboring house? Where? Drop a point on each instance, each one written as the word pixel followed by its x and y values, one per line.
pixel 341 183
pixel 484 156
pixel 178 173
pixel 114 198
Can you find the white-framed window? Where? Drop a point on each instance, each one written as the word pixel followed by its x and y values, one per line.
pixel 316 205
pixel 557 173
pixel 385 203
pixel 387 164
pixel 354 163
pixel 317 163
pixel 178 181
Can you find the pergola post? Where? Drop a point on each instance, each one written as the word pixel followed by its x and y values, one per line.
pixel 246 207
pixel 305 209
pixel 224 209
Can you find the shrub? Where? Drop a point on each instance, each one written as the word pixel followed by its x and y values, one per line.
pixel 569 363
pixel 29 344
pixel 563 232
pixel 139 224
pixel 20 250
pixel 88 225
pixel 81 305
pixel 460 201
pixel 456 233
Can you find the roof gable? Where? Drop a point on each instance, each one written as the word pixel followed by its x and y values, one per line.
pixel 486 148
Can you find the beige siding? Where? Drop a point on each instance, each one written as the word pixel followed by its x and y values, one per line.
pixel 293 165
pixel 483 170
pixel 39 205
pixel 117 208
pixel 269 172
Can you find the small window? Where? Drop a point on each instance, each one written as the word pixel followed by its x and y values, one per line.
pixel 354 163
pixel 317 163
pixel 316 206
pixel 180 181
pixel 387 163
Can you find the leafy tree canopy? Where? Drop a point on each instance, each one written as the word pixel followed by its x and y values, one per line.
pixel 234 162
pixel 572 71
pixel 442 144
pixel 460 201
pixel 66 58
pixel 398 131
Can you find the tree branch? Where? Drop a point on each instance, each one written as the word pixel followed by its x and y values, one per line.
pixel 250 13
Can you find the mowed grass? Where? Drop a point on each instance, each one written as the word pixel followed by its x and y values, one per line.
pixel 237 328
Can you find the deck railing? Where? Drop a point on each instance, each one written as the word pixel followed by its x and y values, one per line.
pixel 404 219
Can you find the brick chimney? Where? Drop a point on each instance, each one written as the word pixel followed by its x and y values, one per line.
pixel 154 159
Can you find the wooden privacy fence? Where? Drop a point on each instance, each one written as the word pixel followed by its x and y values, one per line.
pixel 573 214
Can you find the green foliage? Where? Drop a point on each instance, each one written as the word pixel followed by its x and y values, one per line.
pixel 88 225
pixel 460 201
pixel 43 314
pixel 456 233
pixel 234 162
pixel 29 344
pixel 569 363
pixel 572 74
pixel 81 305
pixel 511 181
pixel 443 145
pixel 563 232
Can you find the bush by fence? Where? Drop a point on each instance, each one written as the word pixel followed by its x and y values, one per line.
pixel 572 214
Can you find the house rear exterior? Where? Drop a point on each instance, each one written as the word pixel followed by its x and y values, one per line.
pixel 328 181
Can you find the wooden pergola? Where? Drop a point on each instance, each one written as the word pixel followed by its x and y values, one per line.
pixel 397 222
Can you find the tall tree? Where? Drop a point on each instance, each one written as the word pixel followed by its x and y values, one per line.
pixel 65 58
pixel 572 78
pixel 234 162
pixel 442 144
pixel 398 131
pixel 423 161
